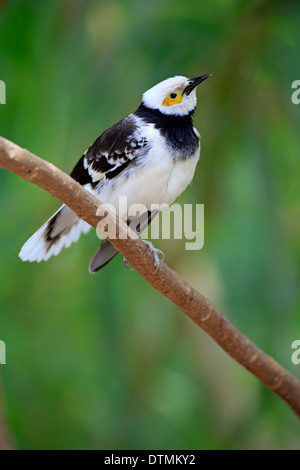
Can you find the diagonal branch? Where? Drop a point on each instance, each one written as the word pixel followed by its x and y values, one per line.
pixel 167 282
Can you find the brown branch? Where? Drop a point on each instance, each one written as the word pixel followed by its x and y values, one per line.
pixel 167 282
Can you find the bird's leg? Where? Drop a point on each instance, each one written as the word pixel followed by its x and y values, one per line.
pixel 156 254
pixel 154 251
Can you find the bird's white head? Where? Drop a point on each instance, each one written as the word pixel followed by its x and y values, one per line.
pixel 175 96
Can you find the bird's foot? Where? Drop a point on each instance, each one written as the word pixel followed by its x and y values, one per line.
pixel 156 254
pixel 125 262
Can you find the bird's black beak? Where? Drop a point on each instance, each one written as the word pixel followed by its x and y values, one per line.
pixel 193 82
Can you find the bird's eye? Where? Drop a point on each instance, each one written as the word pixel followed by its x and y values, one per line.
pixel 173 98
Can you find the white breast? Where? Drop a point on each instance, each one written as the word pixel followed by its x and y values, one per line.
pixel 180 177
pixel 159 179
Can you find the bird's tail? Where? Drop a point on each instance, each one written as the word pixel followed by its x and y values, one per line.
pixel 60 231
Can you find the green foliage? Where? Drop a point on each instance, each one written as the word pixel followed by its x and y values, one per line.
pixel 104 361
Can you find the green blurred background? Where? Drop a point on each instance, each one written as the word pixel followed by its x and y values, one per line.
pixel 104 361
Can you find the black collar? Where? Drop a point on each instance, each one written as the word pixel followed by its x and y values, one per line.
pixel 162 120
pixel 177 130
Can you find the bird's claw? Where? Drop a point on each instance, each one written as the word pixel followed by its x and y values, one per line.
pixel 156 254
pixel 125 262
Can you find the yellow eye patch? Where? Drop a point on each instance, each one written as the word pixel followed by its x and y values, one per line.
pixel 173 98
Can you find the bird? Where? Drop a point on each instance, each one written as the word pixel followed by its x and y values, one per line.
pixel 150 156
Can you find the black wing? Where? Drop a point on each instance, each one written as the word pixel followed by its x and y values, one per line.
pixel 111 153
